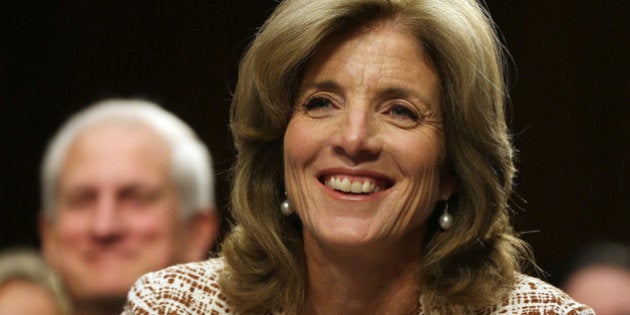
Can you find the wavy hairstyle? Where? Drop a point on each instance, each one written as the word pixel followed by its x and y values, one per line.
pixel 472 264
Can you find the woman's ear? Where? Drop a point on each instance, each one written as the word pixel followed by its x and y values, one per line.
pixel 448 180
pixel 448 186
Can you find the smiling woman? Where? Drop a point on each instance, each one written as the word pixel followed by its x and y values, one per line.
pixel 373 172
pixel 362 134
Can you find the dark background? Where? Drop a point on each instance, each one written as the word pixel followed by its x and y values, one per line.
pixel 568 89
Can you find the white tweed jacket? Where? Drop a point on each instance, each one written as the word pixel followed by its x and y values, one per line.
pixel 193 288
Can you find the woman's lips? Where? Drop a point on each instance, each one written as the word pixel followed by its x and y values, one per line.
pixel 355 184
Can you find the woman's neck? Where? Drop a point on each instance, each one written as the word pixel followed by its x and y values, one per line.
pixel 378 280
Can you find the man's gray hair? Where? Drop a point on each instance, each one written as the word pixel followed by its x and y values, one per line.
pixel 191 163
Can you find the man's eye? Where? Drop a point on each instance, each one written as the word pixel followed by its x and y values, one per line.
pixel 79 200
pixel 139 196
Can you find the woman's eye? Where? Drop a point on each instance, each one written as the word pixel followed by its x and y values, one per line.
pixel 317 103
pixel 319 106
pixel 403 112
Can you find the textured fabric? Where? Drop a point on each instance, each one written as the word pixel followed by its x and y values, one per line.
pixel 194 289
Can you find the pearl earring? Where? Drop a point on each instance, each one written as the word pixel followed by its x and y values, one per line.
pixel 285 208
pixel 446 220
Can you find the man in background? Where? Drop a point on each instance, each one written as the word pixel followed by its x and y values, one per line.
pixel 127 188
pixel 599 276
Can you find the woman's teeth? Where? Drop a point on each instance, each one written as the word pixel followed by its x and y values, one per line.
pixel 355 187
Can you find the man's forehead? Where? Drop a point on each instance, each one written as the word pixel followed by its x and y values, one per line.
pixel 122 184
pixel 115 154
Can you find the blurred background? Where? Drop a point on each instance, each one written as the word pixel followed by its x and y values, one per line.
pixel 568 85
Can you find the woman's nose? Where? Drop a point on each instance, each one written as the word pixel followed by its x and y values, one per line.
pixel 357 136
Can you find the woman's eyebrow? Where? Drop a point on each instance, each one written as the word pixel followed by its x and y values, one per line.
pixel 328 85
pixel 390 92
pixel 401 92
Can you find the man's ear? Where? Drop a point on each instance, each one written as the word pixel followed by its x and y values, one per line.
pixel 46 236
pixel 202 232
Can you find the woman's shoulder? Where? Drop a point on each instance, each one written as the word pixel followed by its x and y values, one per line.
pixel 191 288
pixel 534 296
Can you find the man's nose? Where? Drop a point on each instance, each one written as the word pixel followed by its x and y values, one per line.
pixel 106 225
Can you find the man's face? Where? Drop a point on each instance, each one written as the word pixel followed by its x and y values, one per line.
pixel 116 212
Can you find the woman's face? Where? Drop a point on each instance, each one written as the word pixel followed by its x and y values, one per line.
pixel 364 149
